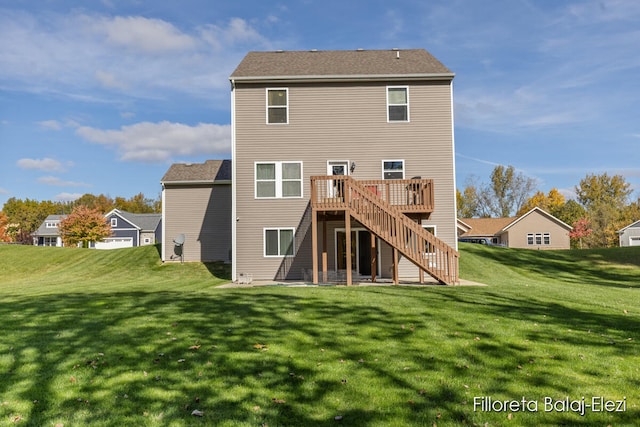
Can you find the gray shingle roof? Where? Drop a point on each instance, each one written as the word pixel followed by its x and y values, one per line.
pixel 340 64
pixel 209 171
pixel 146 222
pixel 44 231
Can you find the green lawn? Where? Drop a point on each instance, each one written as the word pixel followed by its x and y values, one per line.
pixel 113 338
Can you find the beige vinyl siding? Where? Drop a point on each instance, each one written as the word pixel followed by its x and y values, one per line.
pixel 203 214
pixel 337 122
pixel 538 223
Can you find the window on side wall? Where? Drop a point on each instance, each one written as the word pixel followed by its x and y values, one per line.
pixel 114 222
pixel 278 106
pixel 397 104
pixel 393 169
pixel 278 242
pixel 278 180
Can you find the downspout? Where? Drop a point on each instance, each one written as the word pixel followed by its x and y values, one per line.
pixel 163 246
pixel 453 162
pixel 234 259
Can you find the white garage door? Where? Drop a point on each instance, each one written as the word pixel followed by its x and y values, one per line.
pixel 634 241
pixel 115 243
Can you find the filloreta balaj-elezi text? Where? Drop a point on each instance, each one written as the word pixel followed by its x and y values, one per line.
pixel 579 406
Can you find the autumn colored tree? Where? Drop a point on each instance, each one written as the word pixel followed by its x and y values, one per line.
pixel 4 222
pixel 25 216
pixel 84 225
pixel 467 202
pixel 581 229
pixel 551 202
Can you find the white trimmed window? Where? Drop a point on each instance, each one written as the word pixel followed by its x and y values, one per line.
pixel 275 180
pixel 52 225
pixel 278 242
pixel 278 106
pixel 539 239
pixel 114 222
pixel 393 169
pixel 397 104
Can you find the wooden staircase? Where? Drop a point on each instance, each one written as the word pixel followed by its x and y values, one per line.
pixel 390 224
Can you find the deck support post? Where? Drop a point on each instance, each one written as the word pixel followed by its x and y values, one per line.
pixel 374 258
pixel 347 230
pixel 325 277
pixel 396 280
pixel 314 245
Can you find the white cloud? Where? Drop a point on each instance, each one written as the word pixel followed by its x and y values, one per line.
pixel 67 197
pixel 160 142
pixel 47 164
pixel 55 181
pixel 146 35
pixel 109 80
pixel 94 57
pixel 50 124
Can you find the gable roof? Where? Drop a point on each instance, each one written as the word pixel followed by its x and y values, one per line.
pixel 211 171
pixel 340 65
pixel 486 226
pixel 44 231
pixel 633 224
pixel 144 222
pixel 494 226
pixel 543 213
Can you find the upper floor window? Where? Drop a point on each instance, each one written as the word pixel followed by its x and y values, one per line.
pixel 114 222
pixel 52 225
pixel 278 179
pixel 277 106
pixel 393 169
pixel 397 104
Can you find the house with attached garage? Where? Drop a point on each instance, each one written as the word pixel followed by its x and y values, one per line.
pixel 343 167
pixel 630 235
pixel 127 230
pixel 131 230
pixel 536 229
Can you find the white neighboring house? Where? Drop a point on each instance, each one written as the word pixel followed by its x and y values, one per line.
pixel 630 235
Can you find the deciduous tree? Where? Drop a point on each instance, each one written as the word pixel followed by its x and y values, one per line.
pixel 581 229
pixel 84 225
pixel 551 202
pixel 4 222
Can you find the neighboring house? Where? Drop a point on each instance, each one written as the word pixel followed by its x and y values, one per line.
pixel 535 229
pixel 343 149
pixel 196 203
pixel 128 230
pixel 630 235
pixel 131 230
pixel 48 234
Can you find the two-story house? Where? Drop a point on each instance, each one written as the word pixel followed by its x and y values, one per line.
pixel 343 166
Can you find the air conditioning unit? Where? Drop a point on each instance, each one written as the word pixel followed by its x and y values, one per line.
pixel 245 278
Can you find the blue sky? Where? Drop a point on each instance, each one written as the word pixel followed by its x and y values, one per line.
pixel 102 96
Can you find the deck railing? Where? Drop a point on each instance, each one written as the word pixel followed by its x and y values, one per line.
pixel 408 195
pixel 388 222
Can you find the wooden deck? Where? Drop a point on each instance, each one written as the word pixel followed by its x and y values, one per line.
pixel 383 206
pixel 330 193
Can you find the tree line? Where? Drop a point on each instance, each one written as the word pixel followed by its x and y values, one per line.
pixel 19 218
pixel 602 206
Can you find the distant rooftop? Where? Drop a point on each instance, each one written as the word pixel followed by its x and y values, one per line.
pixel 336 64
pixel 209 171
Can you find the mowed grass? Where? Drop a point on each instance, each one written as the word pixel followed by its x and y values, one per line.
pixel 110 338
